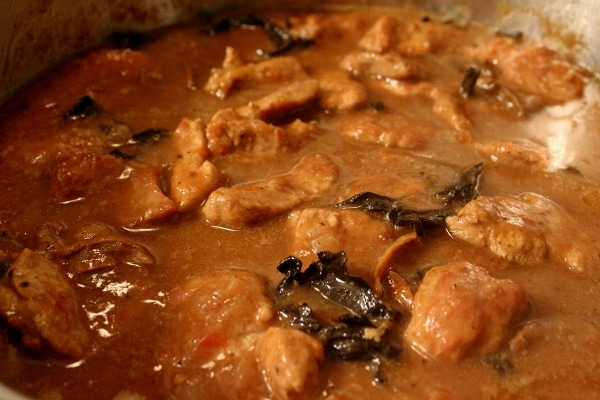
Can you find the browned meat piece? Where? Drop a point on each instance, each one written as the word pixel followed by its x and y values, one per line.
pixel 246 204
pixel 93 247
pixel 190 136
pixel 446 105
pixel 419 38
pixel 235 73
pixel 291 97
pixel 228 131
pixel 532 70
pixel 541 363
pixel 143 201
pixel 299 131
pixel 337 91
pixel 520 154
pixel 76 170
pixel 80 172
pixel 528 229
pixel 363 238
pixel 36 298
pixel 382 66
pixel 209 348
pixel 192 179
pixel 309 27
pixel 289 360
pixel 460 310
pixel 380 37
pixel 393 131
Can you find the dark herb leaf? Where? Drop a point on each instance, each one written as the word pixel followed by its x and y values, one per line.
pixel 84 108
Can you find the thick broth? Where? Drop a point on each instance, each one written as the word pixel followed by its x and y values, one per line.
pixel 551 352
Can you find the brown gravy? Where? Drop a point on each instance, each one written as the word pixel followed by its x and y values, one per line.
pixel 408 138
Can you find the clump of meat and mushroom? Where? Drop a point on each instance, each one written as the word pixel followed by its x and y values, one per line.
pixel 343 205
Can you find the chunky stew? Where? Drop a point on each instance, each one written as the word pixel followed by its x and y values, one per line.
pixel 343 204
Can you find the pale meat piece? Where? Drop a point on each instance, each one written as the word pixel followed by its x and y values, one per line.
pixel 380 37
pixel 446 105
pixel 541 363
pixel 394 131
pixel 520 154
pixel 286 99
pixel 528 229
pixel 190 136
pixel 236 74
pixel 382 66
pixel 427 36
pixel 228 132
pixel 249 203
pixel 306 28
pixel 36 298
pixel 289 360
pixel 338 91
pixel 192 179
pixel 533 70
pixel 212 326
pixel 460 310
pixel 361 236
pixel 93 247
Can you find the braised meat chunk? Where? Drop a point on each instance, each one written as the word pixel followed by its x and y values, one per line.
pixel 528 229
pixel 534 70
pixel 321 229
pixel 460 310
pixel 213 318
pixel 246 204
pixel 290 360
pixel 235 73
pixel 36 297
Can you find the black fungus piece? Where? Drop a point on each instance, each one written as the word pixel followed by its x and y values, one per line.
pixel 148 135
pixel 119 154
pixel 330 278
pixel 4 267
pixel 237 21
pixel 280 37
pixel 359 349
pixel 300 317
pixel 467 87
pixel 132 40
pixel 464 188
pixel 369 201
pixel 84 108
